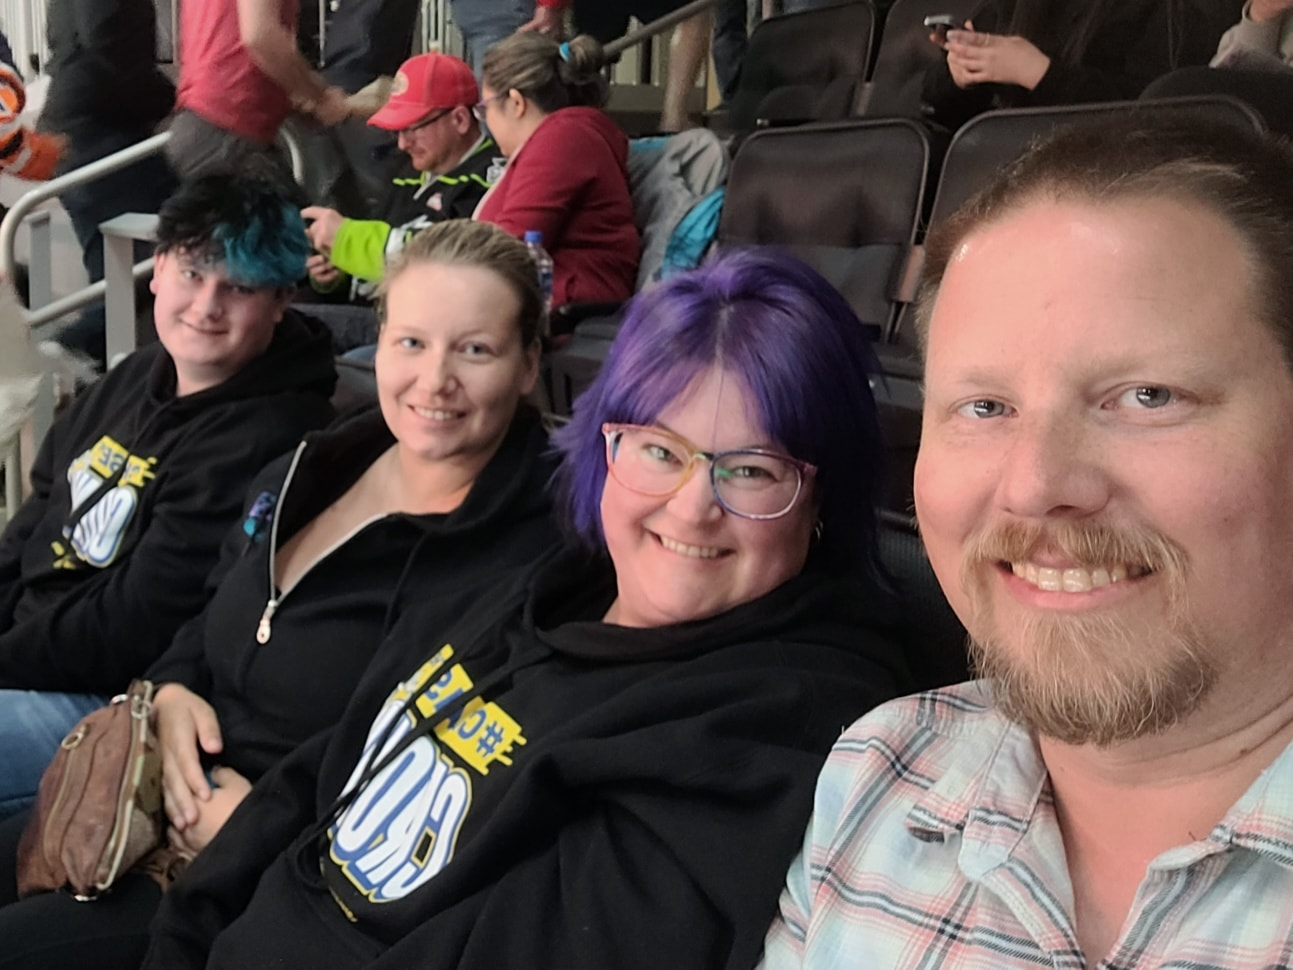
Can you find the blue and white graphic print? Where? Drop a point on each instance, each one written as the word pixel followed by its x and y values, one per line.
pixel 402 827
pixel 95 539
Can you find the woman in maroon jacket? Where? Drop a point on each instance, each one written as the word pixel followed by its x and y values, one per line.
pixel 566 174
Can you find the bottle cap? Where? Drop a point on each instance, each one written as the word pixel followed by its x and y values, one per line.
pixel 533 236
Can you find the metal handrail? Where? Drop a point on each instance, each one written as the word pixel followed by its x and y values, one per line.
pixel 633 38
pixel 82 297
pixel 45 191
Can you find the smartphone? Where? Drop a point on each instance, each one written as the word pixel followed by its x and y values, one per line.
pixel 940 23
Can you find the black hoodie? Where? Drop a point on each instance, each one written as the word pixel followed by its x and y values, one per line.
pixel 1133 45
pixel 102 67
pixel 89 597
pixel 275 680
pixel 596 796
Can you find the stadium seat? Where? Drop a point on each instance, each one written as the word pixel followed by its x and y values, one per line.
pixel 905 54
pixel 803 67
pixel 1269 93
pixel 986 144
pixel 933 636
pixel 846 198
pixel 356 385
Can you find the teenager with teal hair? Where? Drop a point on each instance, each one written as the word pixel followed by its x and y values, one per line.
pixel 139 480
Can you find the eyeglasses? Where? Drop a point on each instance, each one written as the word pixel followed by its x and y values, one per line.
pixel 752 483
pixel 425 122
pixel 479 108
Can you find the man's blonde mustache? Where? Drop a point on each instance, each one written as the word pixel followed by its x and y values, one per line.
pixel 1085 544
pixel 1088 676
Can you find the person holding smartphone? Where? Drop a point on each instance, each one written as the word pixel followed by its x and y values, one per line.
pixel 1015 53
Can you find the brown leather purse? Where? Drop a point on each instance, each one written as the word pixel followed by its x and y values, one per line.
pixel 99 807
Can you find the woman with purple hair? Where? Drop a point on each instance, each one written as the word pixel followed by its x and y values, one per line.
pixel 608 761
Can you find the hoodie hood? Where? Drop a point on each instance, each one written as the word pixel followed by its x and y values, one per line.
pixel 845 612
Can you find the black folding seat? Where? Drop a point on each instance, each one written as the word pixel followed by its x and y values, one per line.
pixel 931 632
pixel 845 198
pixel 803 67
pixel 985 145
pixel 905 55
pixel 356 385
pixel 1269 93
pixel 977 153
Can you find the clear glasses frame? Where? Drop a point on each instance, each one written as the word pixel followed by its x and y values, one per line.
pixel 480 107
pixel 612 431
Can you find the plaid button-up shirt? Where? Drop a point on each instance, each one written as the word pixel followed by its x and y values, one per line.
pixel 934 844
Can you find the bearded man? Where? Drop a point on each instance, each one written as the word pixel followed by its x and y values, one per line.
pixel 1103 488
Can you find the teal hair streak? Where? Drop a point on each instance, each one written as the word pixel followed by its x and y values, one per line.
pixel 270 249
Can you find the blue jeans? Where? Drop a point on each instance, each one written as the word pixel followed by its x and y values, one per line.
pixel 731 38
pixel 483 23
pixel 141 187
pixel 32 723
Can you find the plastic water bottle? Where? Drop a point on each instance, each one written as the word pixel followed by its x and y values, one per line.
pixel 542 265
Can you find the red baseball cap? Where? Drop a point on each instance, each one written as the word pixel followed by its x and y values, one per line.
pixel 424 84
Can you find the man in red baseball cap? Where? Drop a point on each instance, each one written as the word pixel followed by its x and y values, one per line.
pixel 430 109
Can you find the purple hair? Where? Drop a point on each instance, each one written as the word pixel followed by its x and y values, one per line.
pixel 799 351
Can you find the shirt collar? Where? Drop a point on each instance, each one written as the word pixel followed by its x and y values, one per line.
pixel 429 177
pixel 991 793
pixel 1262 820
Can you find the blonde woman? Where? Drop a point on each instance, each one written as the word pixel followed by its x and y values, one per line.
pixel 424 498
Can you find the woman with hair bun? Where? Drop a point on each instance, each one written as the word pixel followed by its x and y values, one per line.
pixel 566 171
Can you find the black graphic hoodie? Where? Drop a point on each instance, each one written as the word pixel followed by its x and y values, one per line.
pixel 279 665
pixel 589 796
pixel 132 492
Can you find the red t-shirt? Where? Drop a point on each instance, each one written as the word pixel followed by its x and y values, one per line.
pixel 218 80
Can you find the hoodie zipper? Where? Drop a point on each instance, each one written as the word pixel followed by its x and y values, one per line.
pixel 265 628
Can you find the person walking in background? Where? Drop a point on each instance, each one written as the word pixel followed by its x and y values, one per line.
pixel 105 94
pixel 364 40
pixel 24 153
pixel 483 23
pixel 240 76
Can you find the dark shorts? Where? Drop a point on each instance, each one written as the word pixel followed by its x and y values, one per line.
pixel 198 147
